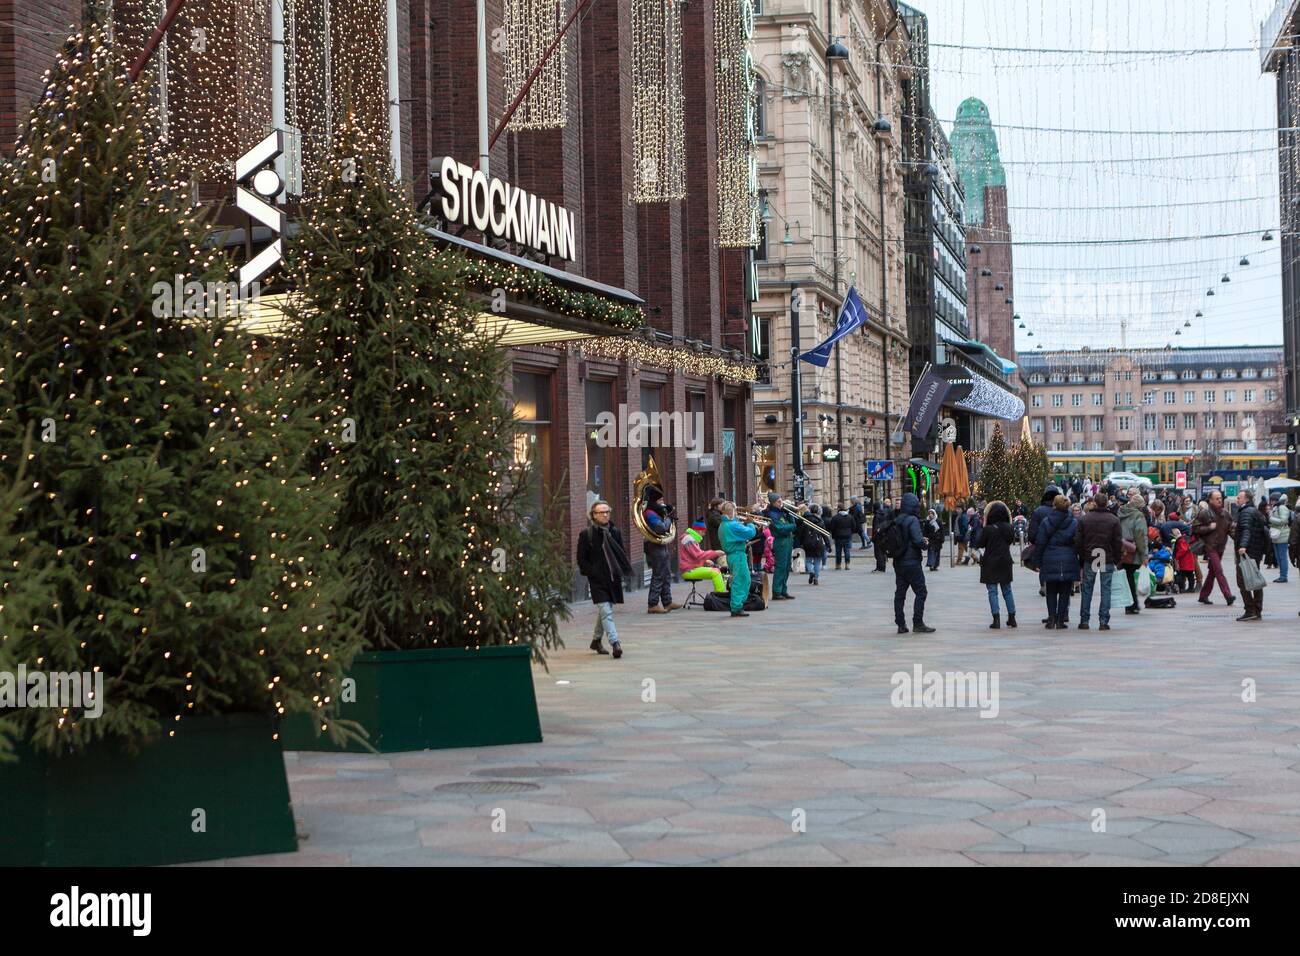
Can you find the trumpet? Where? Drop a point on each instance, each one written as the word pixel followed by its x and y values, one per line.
pixel 749 517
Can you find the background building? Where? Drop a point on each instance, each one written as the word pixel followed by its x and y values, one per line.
pixel 1279 51
pixel 219 101
pixel 1208 400
pixel 857 400
pixel 938 310
pixel 989 261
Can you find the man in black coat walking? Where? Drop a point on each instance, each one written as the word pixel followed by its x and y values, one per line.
pixel 907 567
pixel 841 529
pixel 602 559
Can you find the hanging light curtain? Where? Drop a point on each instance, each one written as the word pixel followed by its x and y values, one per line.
pixel 530 26
pixel 658 123
pixel 733 25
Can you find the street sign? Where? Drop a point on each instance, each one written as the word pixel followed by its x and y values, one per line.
pixel 880 470
pixel 1180 480
pixel 830 452
pixel 1230 489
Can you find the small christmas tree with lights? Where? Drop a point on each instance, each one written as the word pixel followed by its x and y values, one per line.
pixel 419 440
pixel 997 472
pixel 1031 467
pixel 161 525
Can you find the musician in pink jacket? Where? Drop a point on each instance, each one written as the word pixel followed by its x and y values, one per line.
pixel 696 563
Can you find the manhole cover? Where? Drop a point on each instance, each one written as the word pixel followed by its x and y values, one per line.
pixel 521 772
pixel 488 786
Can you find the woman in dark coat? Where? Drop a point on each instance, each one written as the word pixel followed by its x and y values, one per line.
pixel 995 538
pixel 1058 560
pixel 602 559
pixel 935 534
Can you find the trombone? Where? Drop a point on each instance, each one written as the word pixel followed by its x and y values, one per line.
pixel 812 525
pixel 748 516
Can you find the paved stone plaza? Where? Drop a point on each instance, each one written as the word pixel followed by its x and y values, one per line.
pixel 790 709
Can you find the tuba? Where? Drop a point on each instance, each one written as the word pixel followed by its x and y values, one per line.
pixel 647 479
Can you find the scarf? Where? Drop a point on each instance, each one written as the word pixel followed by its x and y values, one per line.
pixel 615 557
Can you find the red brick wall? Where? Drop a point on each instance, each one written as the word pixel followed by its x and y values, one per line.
pixel 31 34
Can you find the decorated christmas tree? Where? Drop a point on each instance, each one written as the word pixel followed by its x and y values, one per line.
pixel 160 525
pixel 418 440
pixel 998 480
pixel 1031 469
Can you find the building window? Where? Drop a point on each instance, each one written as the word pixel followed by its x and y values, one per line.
pixel 1171 398
pixel 1128 398
pixel 1250 373
pixel 1058 423
pixel 1248 395
pixel 1189 420
pixel 1229 419
pixel 1170 444
pixel 1076 399
pixel 1125 423
pixel 1096 446
pixel 1098 423
pixel 1118 399
pixel 1076 424
pixel 1270 395
pixel 760 104
pixel 1189 444
pixel 1209 419
pixel 1098 398
pixel 1209 397
pixel 1058 400
pixel 1038 426
pixel 1128 375
pixel 533 438
pixel 1148 398
pixel 1148 444
pixel 760 250
pixel 1036 401
pixel 1270 373
pixel 1171 422
pixel 1059 446
pixel 1189 398
pixel 1036 379
pixel 1229 396
pixel 1189 375
pixel 1057 378
pixel 1149 423
pixel 1209 375
pixel 599 396
pixel 1229 373
pixel 1169 376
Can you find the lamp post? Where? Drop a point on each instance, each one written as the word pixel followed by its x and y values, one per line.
pixel 836 51
pixel 882 128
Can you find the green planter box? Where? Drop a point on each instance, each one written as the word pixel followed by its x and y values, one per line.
pixel 433 699
pixel 106 807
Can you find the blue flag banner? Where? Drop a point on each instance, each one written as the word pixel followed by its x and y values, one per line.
pixel 852 316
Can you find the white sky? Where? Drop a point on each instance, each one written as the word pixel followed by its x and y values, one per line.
pixel 1084 187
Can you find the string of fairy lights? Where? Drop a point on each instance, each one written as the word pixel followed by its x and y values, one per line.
pixel 658 109
pixel 530 27
pixel 734 86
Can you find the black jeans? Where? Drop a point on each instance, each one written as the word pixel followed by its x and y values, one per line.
pixel 843 551
pixel 881 558
pixel 909 576
pixel 1058 599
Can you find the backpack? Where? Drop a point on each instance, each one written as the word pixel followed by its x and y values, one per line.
pixel 889 537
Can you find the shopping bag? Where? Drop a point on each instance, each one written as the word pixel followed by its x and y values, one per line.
pixel 1120 595
pixel 1251 578
pixel 1143 582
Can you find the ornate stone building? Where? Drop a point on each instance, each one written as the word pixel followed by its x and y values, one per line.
pixel 855 403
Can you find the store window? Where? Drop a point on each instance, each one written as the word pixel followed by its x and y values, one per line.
pixel 534 438
pixel 651 406
pixel 599 396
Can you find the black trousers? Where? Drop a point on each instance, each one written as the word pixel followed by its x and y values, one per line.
pixel 843 551
pixel 1058 599
pixel 909 576
pixel 881 558
pixel 1130 571
pixel 661 577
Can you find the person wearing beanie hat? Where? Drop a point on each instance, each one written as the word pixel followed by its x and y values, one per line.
pixel 697 563
pixel 782 528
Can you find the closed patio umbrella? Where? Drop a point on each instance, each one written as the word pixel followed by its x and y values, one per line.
pixel 953 485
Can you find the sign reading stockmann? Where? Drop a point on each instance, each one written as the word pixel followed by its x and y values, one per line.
pixel 495 208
